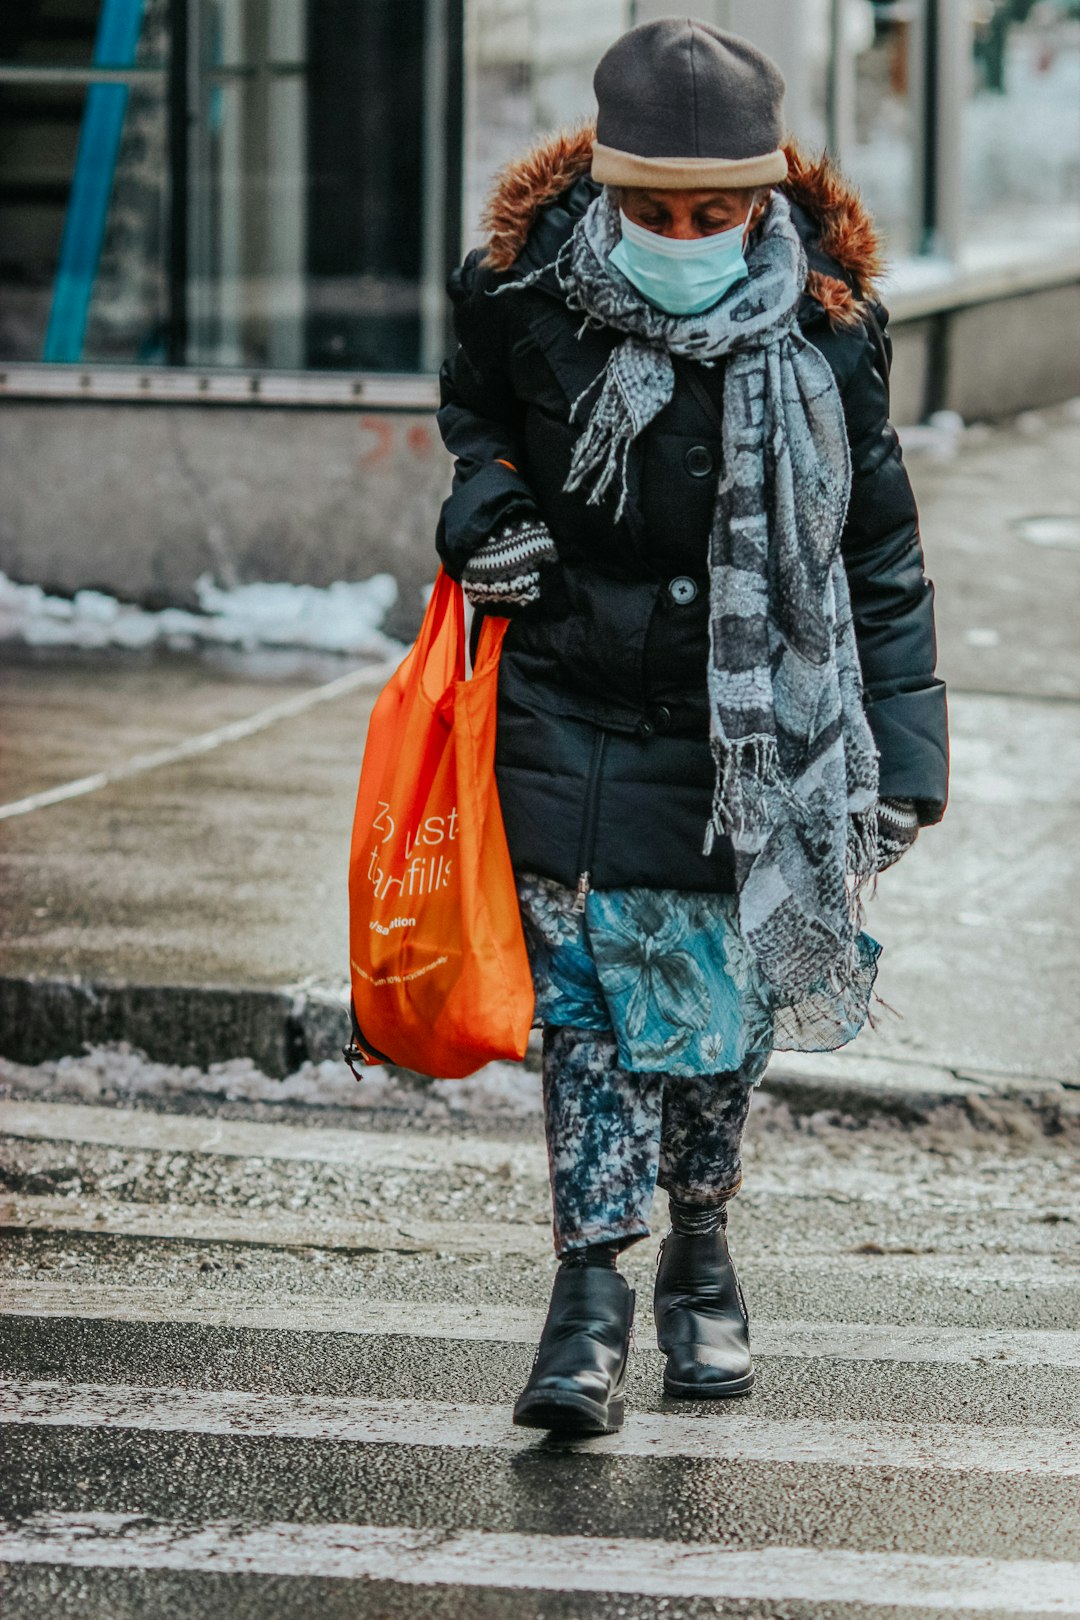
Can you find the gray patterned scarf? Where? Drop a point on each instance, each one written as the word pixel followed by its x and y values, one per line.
pixel 796 766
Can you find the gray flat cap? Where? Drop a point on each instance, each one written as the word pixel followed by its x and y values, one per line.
pixel 683 104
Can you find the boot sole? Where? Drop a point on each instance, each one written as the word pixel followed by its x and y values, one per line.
pixel 710 1392
pixel 569 1414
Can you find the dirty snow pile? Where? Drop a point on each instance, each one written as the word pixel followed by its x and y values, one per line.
pixel 117 1072
pixel 945 433
pixel 939 437
pixel 341 618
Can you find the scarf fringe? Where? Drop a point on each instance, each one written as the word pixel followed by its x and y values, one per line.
pixel 861 858
pixel 603 448
pixel 752 763
pixel 585 392
pixel 521 282
pixel 755 760
pixel 860 865
pixel 880 1001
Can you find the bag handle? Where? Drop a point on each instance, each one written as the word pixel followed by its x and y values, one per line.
pixel 446 595
pixel 439 648
pixel 489 646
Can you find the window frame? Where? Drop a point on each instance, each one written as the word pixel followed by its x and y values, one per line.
pixel 178 79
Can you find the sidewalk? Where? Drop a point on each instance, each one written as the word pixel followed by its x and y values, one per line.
pixel 197 908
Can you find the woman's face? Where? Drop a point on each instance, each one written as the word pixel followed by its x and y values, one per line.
pixel 686 215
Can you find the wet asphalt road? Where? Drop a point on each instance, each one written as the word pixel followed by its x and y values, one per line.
pixel 313 1417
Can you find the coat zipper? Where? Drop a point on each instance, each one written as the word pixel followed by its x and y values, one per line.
pixel 588 820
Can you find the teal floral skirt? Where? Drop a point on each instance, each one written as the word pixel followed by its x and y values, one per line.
pixel 668 972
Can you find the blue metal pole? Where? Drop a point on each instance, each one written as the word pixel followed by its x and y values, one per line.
pixel 91 186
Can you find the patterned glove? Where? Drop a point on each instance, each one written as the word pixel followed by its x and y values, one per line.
pixel 898 828
pixel 505 572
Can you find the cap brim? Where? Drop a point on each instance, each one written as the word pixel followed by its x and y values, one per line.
pixel 614 168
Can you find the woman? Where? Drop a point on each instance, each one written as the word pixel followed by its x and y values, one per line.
pixel 718 716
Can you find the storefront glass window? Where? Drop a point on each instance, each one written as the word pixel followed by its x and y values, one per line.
pixel 83 34
pixel 879 147
pixel 249 183
pixel 307 194
pixel 1022 131
pixel 531 64
pixel 83 187
pixel 248 227
pixel 285 183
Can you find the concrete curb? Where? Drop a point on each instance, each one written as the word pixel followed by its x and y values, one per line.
pixel 1015 1105
pixel 280 1029
pixel 44 1019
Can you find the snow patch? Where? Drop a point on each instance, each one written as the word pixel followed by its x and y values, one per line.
pixel 119 1071
pixel 1050 529
pixel 341 618
pixel 944 433
pixel 938 438
pixel 982 636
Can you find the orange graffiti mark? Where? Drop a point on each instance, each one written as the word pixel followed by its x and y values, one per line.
pixel 383 447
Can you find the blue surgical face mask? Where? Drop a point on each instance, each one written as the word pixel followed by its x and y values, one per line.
pixel 682 278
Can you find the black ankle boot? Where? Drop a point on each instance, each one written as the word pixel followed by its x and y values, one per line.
pixel 701 1318
pixel 579 1370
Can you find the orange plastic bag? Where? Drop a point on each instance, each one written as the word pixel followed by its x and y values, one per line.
pixel 440 976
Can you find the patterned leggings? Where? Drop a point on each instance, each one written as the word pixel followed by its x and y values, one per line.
pixel 613 1136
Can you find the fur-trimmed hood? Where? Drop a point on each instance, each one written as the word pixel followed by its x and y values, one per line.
pixel 845 234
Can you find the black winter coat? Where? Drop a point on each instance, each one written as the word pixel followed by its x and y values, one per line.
pixel 603 760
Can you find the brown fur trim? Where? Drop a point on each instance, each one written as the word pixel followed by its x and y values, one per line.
pixel 835 297
pixel 523 186
pixel 847 232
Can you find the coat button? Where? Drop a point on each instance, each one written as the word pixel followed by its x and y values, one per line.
pixel 662 717
pixel 645 727
pixel 698 461
pixel 682 590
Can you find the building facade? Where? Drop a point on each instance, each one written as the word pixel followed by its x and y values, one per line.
pixel 242 213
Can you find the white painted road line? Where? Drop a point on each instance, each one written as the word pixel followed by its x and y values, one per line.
pixel 136 1130
pixel 728 1436
pixel 204 1223
pixel 296 1313
pixel 441 1319
pixel 541 1563
pixel 866 1341
pixel 356 680
pixel 279 1229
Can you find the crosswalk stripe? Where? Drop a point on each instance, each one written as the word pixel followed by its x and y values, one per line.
pixel 136 1129
pixel 730 1436
pixel 147 1131
pixel 312 1229
pixel 524 1562
pixel 438 1319
pixel 205 1223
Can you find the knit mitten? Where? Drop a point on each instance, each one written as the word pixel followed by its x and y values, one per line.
pixel 505 572
pixel 898 828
